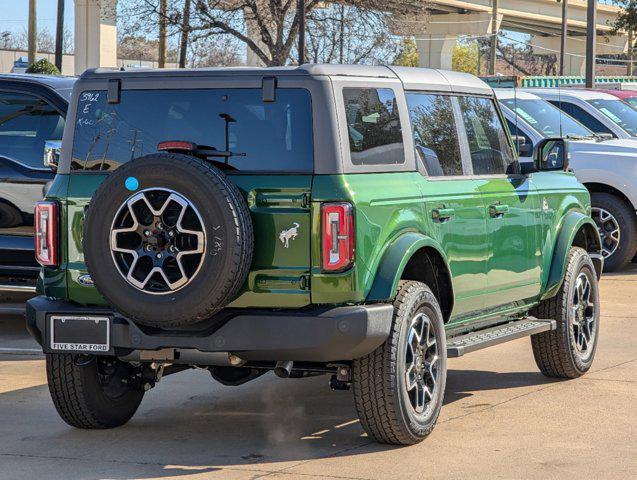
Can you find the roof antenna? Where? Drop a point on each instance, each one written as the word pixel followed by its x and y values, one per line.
pixel 559 100
pixel 515 107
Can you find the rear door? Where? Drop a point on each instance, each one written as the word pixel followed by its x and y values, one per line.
pixel 509 202
pixel 453 204
pixel 271 161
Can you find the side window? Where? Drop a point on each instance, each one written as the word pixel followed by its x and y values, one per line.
pixel 491 152
pixel 581 115
pixel 26 123
pixel 435 134
pixel 373 123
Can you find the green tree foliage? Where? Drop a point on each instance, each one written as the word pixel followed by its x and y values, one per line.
pixel 627 18
pixel 465 58
pixel 43 66
pixel 408 54
pixel 627 21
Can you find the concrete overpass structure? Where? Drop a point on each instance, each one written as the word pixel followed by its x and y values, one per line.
pixel 449 19
pixel 95 34
pixel 437 34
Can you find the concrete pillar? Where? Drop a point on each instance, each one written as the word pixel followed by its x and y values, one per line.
pixel 574 61
pixel 435 51
pixel 254 33
pixel 95 34
pixel 436 35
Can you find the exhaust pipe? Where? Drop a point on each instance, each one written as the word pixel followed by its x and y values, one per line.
pixel 283 368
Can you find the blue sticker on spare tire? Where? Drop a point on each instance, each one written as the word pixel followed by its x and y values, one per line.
pixel 132 183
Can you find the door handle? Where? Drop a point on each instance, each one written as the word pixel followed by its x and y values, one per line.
pixel 442 214
pixel 498 210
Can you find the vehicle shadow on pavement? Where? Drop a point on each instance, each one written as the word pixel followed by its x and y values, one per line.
pixel 190 425
pixel 464 383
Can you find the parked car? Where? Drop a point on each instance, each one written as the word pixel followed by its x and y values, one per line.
pixel 607 167
pixel 32 113
pixel 363 222
pixel 628 96
pixel 600 112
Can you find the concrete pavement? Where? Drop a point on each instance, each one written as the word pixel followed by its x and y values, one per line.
pixel 501 419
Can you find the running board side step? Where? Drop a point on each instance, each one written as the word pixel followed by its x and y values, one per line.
pixel 17 288
pixel 470 342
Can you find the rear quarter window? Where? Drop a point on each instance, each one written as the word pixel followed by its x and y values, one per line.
pixel 373 125
pixel 266 137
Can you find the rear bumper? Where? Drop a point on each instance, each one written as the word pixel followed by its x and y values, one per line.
pixel 313 335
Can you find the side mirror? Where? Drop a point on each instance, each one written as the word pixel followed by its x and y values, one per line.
pixel 52 153
pixel 551 154
pixel 524 149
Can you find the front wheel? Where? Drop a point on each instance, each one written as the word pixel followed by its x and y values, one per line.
pixel 93 392
pixel 399 387
pixel 568 351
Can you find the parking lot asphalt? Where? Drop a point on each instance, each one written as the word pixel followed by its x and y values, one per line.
pixel 501 419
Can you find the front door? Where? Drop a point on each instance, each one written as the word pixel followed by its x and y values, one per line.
pixel 509 202
pixel 453 203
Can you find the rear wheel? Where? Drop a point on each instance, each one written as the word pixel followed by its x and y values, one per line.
pixel 568 351
pixel 399 387
pixel 617 225
pixel 93 392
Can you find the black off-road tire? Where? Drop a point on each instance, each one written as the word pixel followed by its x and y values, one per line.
pixel 554 351
pixel 378 379
pixel 81 400
pixel 627 222
pixel 226 221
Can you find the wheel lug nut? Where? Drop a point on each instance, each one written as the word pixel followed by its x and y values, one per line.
pixel 171 234
pixel 147 233
pixel 158 255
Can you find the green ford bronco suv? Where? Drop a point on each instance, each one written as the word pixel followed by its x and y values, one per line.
pixel 361 222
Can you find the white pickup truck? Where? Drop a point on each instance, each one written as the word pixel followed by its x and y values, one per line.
pixel 598 111
pixel 608 167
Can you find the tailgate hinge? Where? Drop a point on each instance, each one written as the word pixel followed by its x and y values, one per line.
pixel 305 200
pixel 304 282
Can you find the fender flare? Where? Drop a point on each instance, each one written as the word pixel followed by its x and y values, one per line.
pixel 573 223
pixel 393 262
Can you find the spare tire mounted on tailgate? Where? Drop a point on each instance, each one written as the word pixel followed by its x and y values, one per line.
pixel 168 240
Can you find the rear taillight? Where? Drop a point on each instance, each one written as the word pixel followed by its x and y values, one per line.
pixel 337 236
pixel 46 233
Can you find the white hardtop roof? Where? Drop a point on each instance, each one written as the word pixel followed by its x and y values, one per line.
pixel 582 94
pixel 412 78
pixel 508 93
pixel 441 80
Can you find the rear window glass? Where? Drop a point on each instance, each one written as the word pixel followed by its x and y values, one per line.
pixel 266 137
pixel 373 124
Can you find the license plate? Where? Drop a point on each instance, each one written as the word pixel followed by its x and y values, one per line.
pixel 80 334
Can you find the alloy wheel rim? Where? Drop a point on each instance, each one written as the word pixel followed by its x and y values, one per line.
pixel 608 228
pixel 583 316
pixel 157 241
pixel 421 363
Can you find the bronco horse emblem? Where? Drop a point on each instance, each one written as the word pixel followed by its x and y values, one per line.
pixel 290 234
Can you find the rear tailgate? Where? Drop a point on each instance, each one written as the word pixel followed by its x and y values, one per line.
pixel 280 210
